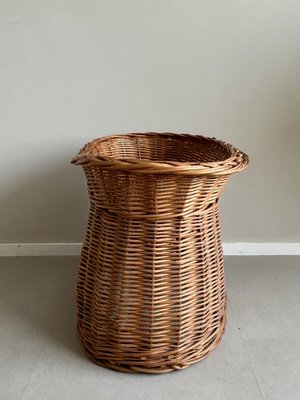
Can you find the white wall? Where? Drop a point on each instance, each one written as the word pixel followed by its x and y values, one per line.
pixel 75 70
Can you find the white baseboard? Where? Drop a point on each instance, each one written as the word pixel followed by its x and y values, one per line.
pixel 73 249
pixel 40 249
pixel 261 249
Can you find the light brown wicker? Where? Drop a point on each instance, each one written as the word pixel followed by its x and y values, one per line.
pixel 150 289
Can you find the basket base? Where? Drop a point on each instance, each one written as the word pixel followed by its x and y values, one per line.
pixel 193 354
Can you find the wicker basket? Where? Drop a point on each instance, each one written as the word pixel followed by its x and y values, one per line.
pixel 150 289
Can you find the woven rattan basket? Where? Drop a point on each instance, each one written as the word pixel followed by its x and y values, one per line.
pixel 150 288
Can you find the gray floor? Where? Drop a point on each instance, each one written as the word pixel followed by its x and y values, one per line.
pixel 259 357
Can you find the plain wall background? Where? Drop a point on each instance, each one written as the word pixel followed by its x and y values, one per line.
pixel 74 70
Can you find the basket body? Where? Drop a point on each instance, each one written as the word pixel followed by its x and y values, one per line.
pixel 150 289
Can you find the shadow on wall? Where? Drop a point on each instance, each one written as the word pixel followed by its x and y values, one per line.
pixel 45 202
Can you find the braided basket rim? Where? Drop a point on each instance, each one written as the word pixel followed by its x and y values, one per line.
pixel 236 162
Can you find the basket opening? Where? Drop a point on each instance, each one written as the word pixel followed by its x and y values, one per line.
pixel 163 148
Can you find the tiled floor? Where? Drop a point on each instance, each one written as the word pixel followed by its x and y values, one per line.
pixel 259 357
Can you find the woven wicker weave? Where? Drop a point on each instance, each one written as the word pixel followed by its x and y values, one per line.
pixel 150 289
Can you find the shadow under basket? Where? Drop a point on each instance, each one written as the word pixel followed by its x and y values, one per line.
pixel 150 288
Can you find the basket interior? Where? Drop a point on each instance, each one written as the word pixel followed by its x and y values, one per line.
pixel 163 148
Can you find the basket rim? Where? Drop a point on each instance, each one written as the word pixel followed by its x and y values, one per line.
pixel 236 162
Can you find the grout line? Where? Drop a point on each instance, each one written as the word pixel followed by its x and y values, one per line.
pixel 248 357
pixel 32 371
pixel 257 382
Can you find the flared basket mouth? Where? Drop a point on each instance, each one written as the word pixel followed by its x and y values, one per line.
pixel 162 153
